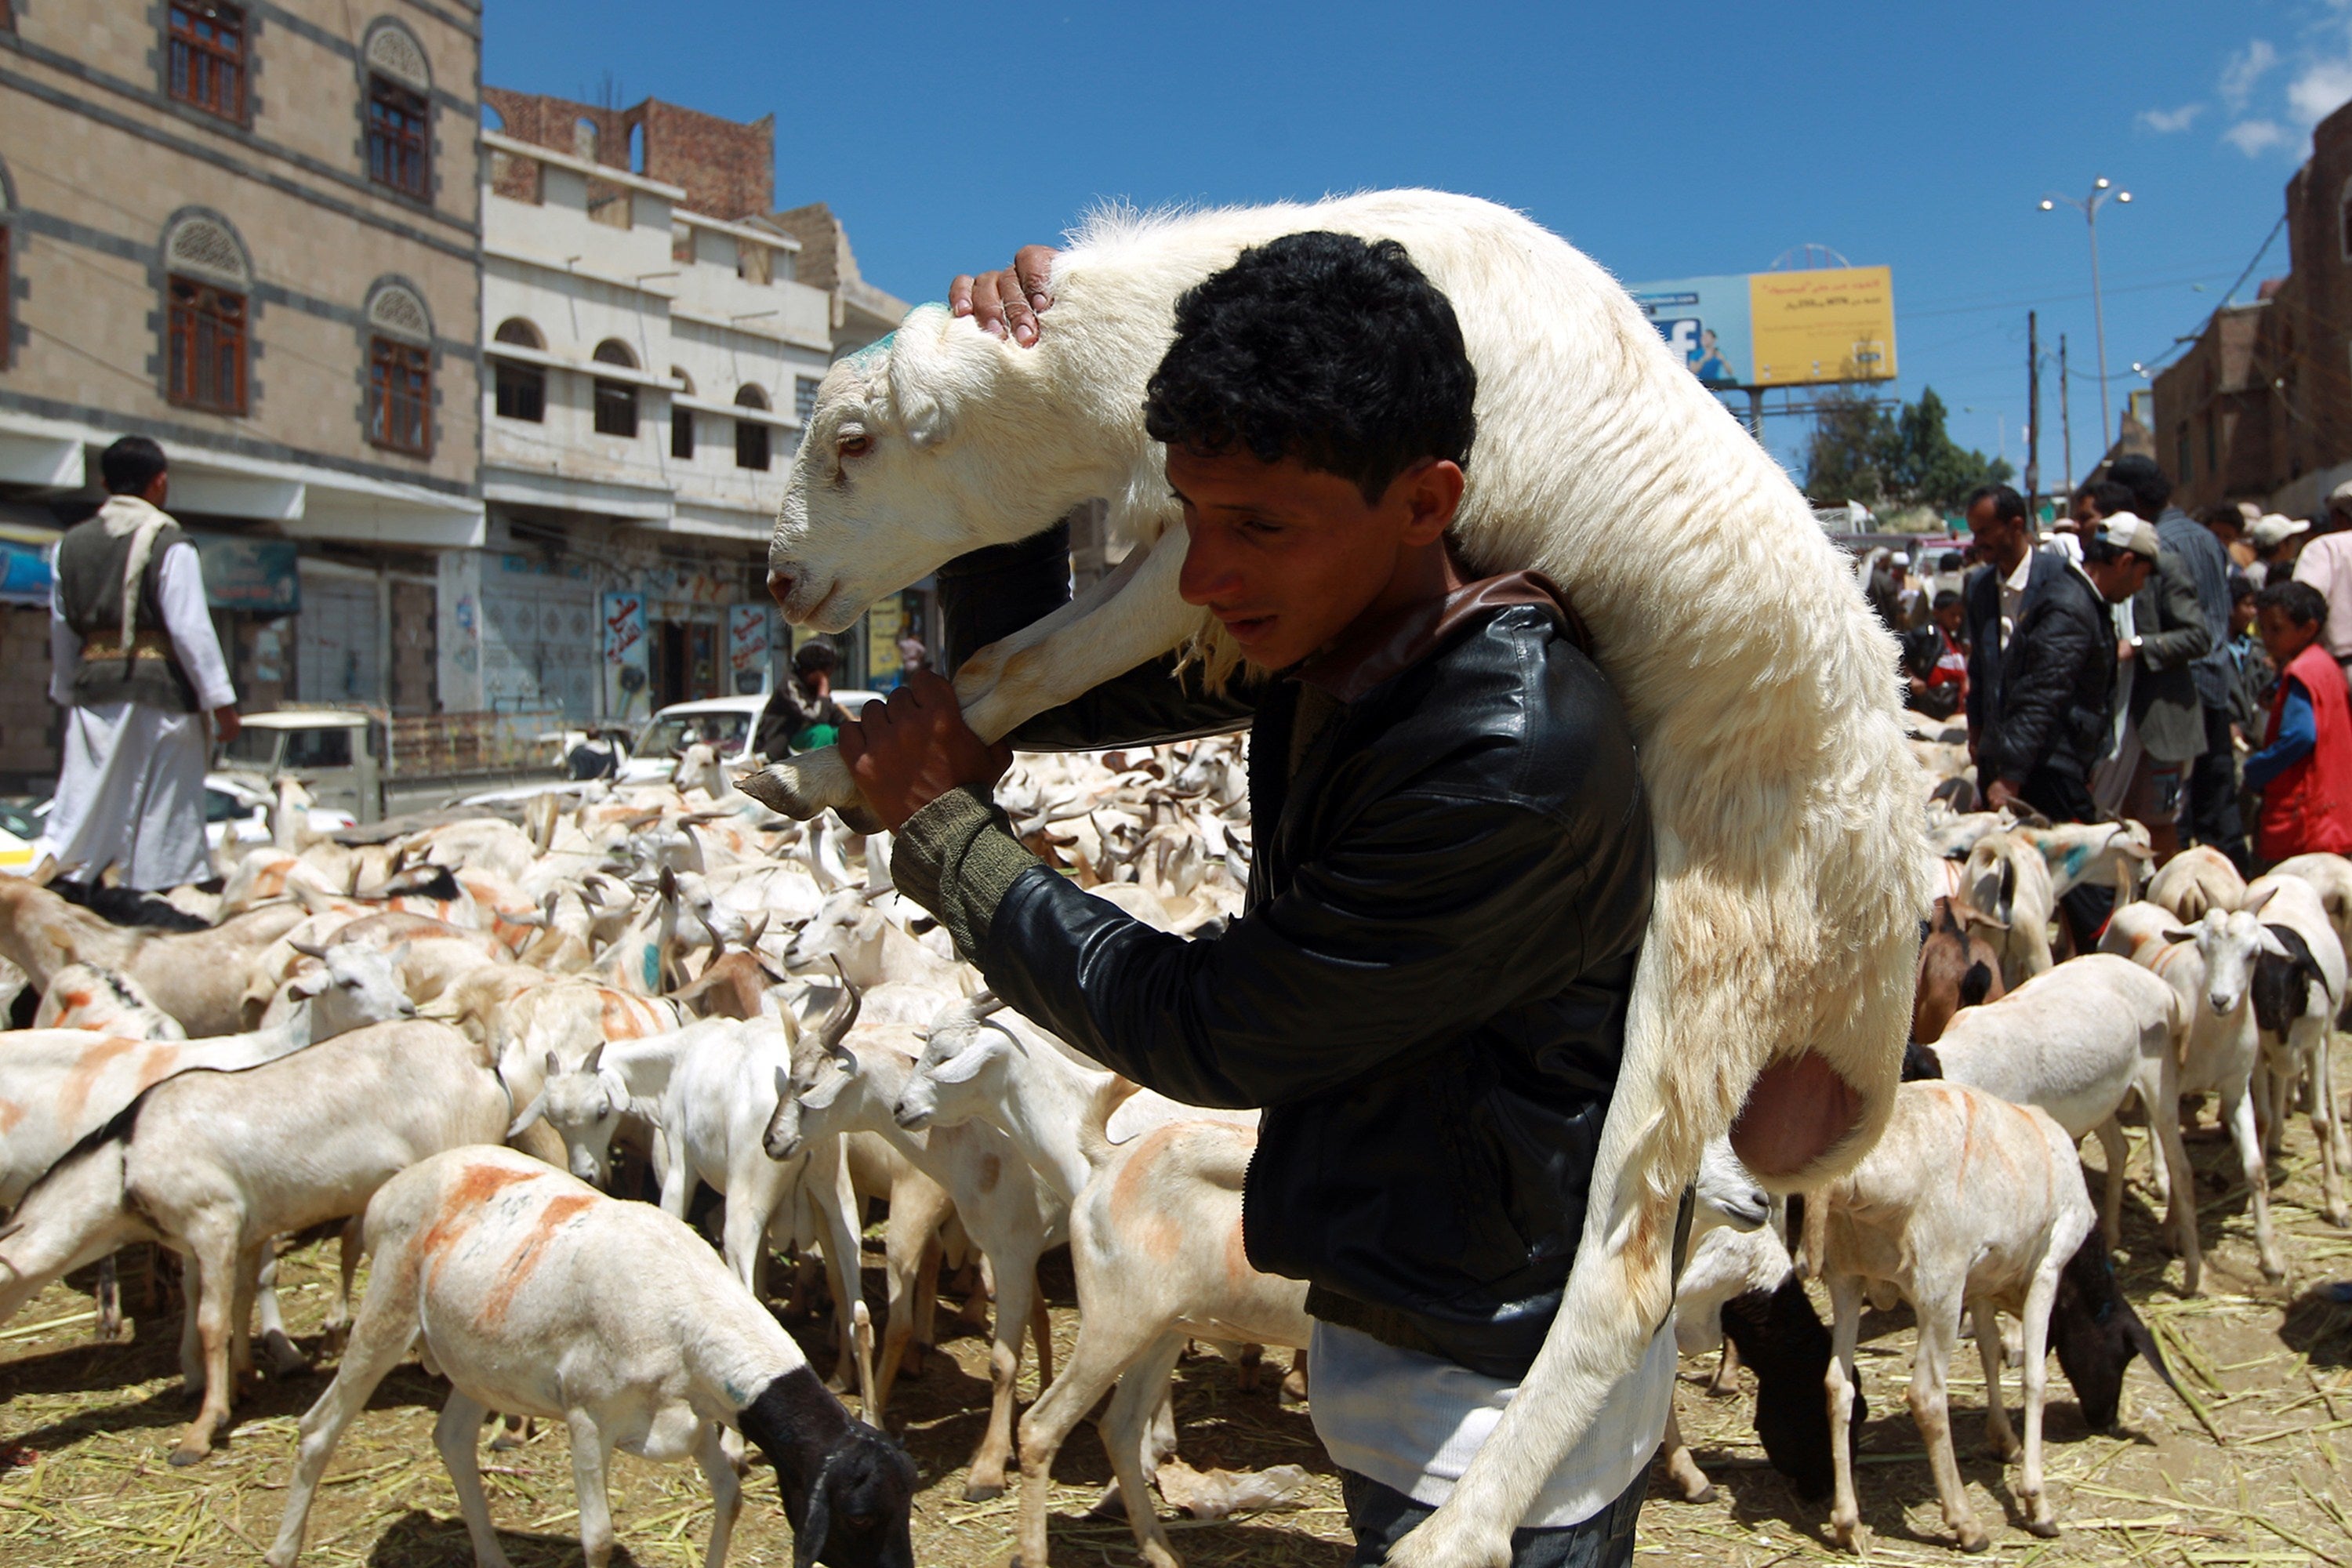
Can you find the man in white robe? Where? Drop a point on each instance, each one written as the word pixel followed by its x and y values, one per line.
pixel 134 662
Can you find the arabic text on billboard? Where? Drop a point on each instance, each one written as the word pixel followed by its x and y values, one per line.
pixel 1778 329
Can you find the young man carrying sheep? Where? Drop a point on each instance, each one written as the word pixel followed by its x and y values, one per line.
pixel 1451 882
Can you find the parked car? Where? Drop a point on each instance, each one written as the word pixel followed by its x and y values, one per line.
pixel 338 754
pixel 727 721
pixel 235 810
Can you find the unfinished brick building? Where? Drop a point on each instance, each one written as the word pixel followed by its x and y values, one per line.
pixel 726 168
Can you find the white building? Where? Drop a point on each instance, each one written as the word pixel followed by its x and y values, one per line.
pixel 638 411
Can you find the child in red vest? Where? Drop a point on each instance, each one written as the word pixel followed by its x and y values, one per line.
pixel 2304 768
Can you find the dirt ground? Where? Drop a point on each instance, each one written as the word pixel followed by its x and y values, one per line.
pixel 2272 1368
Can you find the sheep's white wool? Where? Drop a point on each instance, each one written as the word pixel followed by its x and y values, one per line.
pixel 1792 861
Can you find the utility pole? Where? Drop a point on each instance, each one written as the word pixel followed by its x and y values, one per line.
pixel 2033 416
pixel 2065 415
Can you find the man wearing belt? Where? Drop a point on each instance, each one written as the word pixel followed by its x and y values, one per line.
pixel 134 661
pixel 1451 882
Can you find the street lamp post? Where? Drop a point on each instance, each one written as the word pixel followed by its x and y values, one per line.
pixel 2089 207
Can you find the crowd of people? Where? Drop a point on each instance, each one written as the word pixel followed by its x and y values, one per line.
pixel 2132 661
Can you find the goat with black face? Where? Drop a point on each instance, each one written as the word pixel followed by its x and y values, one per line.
pixel 536 1295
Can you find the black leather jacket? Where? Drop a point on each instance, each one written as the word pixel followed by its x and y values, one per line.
pixel 1427 993
pixel 2045 701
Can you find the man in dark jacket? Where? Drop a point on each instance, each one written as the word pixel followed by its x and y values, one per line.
pixel 2213 815
pixel 2168 635
pixel 2041 654
pixel 1451 882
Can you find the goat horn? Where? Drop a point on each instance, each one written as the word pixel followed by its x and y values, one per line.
pixel 841 1016
pixel 307 950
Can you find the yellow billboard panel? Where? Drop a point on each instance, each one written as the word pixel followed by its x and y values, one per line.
pixel 1823 325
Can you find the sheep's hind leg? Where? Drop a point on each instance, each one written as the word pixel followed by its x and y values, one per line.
pixel 455 1434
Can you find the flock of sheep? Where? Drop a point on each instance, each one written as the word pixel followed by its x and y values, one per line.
pixel 669 987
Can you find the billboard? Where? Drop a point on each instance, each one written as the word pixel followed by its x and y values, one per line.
pixel 1778 329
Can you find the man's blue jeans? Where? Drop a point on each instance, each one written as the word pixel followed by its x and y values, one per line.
pixel 1380 1517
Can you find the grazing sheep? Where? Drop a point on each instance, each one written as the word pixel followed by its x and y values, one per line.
pixel 537 1295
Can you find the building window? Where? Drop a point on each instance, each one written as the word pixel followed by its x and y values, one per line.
pixel 207 335
pixel 399 138
pixel 805 398
pixel 751 436
pixel 616 401
pixel 207 57
pixel 400 396
pixel 522 388
pixel 751 262
pixel 681 417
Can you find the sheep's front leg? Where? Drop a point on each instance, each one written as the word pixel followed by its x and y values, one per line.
pixel 1695 1486
pixel 2040 1297
pixel 215 1242
pixel 457 1434
pixel 378 1343
pixel 2238 1111
pixel 1999 1435
pixel 1839 1383
pixel 1145 618
pixel 591 1456
pixel 726 1492
pixel 1930 1400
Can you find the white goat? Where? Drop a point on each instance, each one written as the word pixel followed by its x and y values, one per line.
pixel 1008 1210
pixel 2079 1042
pixel 198 977
pixel 2211 967
pixel 534 1294
pixel 1600 462
pixel 2298 993
pixel 2199 878
pixel 2008 879
pixel 215 1164
pixel 88 997
pixel 1966 1201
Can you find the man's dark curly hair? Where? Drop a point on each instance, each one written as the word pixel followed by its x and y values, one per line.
pixel 1323 347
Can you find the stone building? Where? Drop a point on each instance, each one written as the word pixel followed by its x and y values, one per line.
pixel 653 350
pixel 2260 406
pixel 250 231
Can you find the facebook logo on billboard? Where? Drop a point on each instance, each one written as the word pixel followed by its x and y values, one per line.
pixel 1705 321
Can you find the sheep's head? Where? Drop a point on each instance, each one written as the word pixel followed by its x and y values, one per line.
pixel 584 1105
pixel 2228 941
pixel 1725 1194
pixel 350 986
pixel 937 440
pixel 823 1068
pixel 953 1079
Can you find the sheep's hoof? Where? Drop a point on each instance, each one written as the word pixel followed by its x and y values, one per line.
pixel 802 786
pixel 183 1457
pixel 285 1361
pixel 1704 1494
pixel 2043 1527
pixel 982 1491
pixel 1110 1505
pixel 1973 1537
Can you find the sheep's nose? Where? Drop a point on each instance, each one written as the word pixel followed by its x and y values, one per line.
pixel 780 587
pixel 2219 1003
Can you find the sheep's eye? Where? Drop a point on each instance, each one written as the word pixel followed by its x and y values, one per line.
pixel 853 446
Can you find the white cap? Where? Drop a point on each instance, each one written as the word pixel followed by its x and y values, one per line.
pixel 1902 558
pixel 2341 494
pixel 2126 532
pixel 2272 529
pixel 2250 511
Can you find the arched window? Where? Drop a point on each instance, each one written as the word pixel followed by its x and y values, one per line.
pixel 583 139
pixel 637 148
pixel 206 282
pixel 399 112
pixel 492 119
pixel 752 435
pixel 522 388
pixel 616 401
pixel 400 371
pixel 681 417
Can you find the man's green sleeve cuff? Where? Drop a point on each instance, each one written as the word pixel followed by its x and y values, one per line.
pixel 956 857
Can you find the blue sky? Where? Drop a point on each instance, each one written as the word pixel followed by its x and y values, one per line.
pixel 1666 139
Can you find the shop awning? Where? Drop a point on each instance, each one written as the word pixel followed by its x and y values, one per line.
pixel 25 563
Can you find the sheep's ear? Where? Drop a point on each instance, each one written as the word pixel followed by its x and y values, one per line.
pixel 554 1064
pixel 531 1113
pixel 809 1539
pixel 2253 906
pixel 928 363
pixel 2272 944
pixel 2177 935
